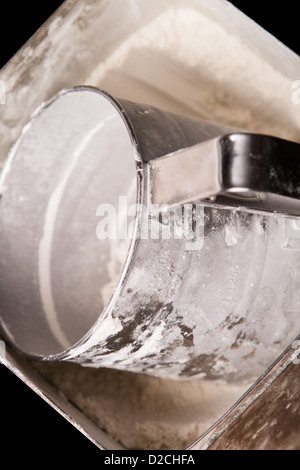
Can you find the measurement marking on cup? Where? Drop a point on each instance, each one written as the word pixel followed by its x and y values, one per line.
pixel 162 270
pixel 232 283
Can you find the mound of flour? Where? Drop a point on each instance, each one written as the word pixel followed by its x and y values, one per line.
pixel 140 411
pixel 185 62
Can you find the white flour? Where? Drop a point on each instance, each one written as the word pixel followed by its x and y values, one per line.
pixel 184 62
pixel 143 412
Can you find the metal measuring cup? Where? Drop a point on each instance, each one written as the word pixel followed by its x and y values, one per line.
pixel 138 239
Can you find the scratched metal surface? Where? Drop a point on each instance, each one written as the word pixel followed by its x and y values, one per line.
pixel 267 417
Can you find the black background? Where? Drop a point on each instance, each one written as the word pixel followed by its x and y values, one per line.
pixel 27 423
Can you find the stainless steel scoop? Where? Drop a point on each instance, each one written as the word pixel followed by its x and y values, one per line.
pixel 142 240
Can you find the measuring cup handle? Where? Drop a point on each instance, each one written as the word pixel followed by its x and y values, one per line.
pixel 239 169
